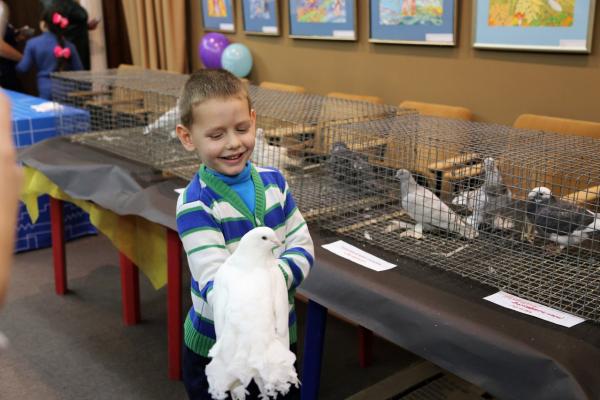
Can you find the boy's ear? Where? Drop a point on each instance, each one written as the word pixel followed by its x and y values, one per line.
pixel 185 137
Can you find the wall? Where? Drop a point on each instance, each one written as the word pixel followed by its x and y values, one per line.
pixel 496 85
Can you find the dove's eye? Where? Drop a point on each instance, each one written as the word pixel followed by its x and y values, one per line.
pixel 264 238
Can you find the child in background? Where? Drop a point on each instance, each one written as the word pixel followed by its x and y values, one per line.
pixel 49 52
pixel 228 197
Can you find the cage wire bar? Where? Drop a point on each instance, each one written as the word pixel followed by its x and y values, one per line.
pixel 509 208
pixel 132 113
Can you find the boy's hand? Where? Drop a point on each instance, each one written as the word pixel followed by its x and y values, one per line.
pixel 11 177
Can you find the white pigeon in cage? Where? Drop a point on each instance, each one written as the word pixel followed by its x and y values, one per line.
pixel 561 222
pixel 250 303
pixel 268 155
pixel 165 124
pixel 490 197
pixel 428 210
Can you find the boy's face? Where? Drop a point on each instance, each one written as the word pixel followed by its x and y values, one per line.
pixel 222 134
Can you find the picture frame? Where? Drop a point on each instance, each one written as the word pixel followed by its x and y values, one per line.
pixel 322 19
pixel 261 17
pixel 218 15
pixel 418 22
pixel 552 25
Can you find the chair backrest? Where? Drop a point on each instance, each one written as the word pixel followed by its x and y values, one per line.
pixel 356 97
pixel 284 87
pixel 439 110
pixel 564 126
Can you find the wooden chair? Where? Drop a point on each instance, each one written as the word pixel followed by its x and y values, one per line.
pixel 439 110
pixel 284 87
pixel 356 97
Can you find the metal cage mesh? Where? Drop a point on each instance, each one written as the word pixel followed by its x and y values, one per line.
pixel 470 202
pixel 132 112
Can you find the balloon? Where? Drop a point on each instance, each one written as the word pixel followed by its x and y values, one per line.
pixel 211 48
pixel 237 59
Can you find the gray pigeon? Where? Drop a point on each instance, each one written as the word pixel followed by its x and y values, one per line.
pixel 490 197
pixel 559 221
pixel 428 210
pixel 350 167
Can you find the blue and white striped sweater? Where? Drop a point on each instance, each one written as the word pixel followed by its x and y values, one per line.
pixel 212 218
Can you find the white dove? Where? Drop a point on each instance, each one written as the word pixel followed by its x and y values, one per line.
pixel 266 154
pixel 428 210
pixel 166 123
pixel 250 303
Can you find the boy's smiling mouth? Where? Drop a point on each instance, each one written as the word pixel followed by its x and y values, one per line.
pixel 233 157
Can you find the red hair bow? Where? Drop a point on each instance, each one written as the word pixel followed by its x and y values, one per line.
pixel 58 19
pixel 62 52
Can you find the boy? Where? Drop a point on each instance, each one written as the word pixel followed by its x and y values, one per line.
pixel 227 198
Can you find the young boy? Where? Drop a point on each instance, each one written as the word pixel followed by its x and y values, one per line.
pixel 228 197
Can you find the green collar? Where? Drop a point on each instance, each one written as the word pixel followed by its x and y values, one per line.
pixel 221 188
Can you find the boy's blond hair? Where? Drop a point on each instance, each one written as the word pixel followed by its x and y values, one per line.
pixel 207 84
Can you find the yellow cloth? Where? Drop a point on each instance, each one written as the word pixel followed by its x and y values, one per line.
pixel 144 242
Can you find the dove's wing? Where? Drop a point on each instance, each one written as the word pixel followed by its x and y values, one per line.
pixel 280 302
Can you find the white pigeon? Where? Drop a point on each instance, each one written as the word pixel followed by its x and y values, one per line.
pixel 561 222
pixel 428 210
pixel 166 123
pixel 266 154
pixel 250 303
pixel 490 197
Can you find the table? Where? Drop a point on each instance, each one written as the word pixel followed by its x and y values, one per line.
pixel 28 127
pixel 430 312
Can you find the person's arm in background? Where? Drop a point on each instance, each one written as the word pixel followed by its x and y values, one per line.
pixel 10 176
pixel 6 50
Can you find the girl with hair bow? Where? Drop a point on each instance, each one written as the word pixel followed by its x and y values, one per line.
pixel 50 51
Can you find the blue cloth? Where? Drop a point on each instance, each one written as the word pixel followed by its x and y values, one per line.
pixel 39 53
pixel 241 184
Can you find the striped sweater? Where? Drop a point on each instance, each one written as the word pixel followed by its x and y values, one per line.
pixel 211 220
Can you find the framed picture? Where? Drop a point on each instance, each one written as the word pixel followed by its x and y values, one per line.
pixel 548 25
pixel 261 17
pixel 217 15
pixel 323 19
pixel 429 22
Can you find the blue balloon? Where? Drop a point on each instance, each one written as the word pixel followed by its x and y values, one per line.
pixel 236 58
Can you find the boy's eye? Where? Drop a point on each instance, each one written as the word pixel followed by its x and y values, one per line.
pixel 243 128
pixel 215 135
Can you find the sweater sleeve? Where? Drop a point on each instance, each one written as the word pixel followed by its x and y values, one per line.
pixel 27 61
pixel 298 257
pixel 203 243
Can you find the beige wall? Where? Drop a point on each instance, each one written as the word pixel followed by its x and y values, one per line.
pixel 496 85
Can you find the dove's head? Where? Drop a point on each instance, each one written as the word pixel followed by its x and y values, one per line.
pixel 261 238
pixel 540 194
pixel 404 175
pixel 338 147
pixel 489 164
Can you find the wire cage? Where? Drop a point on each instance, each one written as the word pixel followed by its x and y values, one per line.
pixel 510 208
pixel 132 112
pixel 289 127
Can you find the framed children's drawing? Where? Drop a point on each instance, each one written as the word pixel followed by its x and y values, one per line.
pixel 535 25
pixel 217 15
pixel 429 22
pixel 261 17
pixel 323 19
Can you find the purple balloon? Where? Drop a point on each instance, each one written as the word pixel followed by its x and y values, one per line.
pixel 211 48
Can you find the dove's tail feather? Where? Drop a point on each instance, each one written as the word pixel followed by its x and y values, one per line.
pixel 594 226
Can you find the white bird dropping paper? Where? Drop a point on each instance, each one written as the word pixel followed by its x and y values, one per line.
pixel 358 256
pixel 534 309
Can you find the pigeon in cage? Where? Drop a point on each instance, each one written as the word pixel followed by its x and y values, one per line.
pixel 250 304
pixel 428 210
pixel 352 168
pixel 266 154
pixel 486 200
pixel 561 222
pixel 165 124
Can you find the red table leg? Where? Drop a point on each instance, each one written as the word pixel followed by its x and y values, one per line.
pixel 175 323
pixel 130 290
pixel 365 346
pixel 58 245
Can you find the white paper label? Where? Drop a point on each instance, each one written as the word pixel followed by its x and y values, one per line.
pixel 269 29
pixel 534 309
pixel 572 44
pixel 358 256
pixel 439 37
pixel 226 27
pixel 344 34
